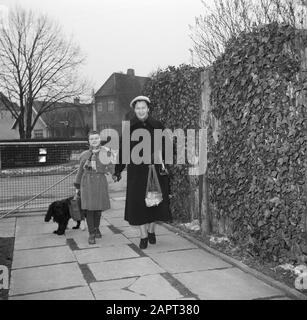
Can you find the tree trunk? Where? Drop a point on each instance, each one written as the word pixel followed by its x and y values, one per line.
pixel 21 126
pixel 22 134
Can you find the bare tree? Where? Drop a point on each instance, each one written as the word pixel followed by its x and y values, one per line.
pixel 37 62
pixel 228 18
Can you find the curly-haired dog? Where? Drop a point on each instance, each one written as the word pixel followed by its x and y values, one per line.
pixel 59 211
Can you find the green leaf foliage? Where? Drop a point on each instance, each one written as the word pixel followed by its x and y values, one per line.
pixel 175 95
pixel 257 168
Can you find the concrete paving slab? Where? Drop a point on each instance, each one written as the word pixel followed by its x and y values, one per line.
pixel 133 232
pixel 7 224
pixel 40 257
pixel 227 284
pixel 124 268
pixel 104 223
pixel 71 234
pixel 7 230
pixel 117 222
pixel 118 295
pixel 115 290
pixel 104 254
pixel 81 293
pixel 155 287
pixel 166 243
pixel 118 196
pixel 81 240
pixel 35 228
pixel 72 223
pixel 116 204
pixel 5 221
pixel 112 284
pixel 109 239
pixel 39 241
pixel 36 279
pixel 188 260
pixel 30 220
pixel 151 287
pixel 118 213
pixel 7 233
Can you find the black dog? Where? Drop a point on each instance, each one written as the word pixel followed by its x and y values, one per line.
pixel 59 211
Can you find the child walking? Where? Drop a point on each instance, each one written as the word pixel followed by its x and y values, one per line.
pixel 92 183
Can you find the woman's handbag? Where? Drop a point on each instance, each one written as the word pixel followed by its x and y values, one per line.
pixel 75 208
pixel 153 190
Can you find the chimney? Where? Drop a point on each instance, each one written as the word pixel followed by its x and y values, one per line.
pixel 130 72
pixel 77 100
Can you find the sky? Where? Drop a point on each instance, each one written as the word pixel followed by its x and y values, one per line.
pixel 116 35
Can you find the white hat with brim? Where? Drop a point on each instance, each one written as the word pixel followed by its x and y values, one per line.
pixel 139 98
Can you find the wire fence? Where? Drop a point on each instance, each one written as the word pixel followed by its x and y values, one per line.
pixel 40 171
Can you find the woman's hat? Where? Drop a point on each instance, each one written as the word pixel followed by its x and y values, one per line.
pixel 139 98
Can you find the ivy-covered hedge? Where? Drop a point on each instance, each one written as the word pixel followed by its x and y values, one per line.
pixel 257 168
pixel 175 96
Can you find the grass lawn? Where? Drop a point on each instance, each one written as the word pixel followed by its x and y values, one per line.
pixel 6 257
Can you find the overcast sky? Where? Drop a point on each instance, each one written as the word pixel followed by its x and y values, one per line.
pixel 119 34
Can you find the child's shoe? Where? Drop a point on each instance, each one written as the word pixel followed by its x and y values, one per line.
pixel 98 234
pixel 91 239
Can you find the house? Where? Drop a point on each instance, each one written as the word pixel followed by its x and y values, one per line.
pixel 9 127
pixel 64 120
pixel 113 98
pixel 68 120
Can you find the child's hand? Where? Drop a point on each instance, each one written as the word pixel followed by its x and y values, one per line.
pixel 116 178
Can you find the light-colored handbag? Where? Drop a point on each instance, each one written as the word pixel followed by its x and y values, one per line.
pixel 153 190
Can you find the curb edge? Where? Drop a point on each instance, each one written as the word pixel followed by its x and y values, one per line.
pixel 260 276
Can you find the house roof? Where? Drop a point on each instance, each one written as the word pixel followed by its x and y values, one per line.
pixel 78 115
pixel 4 99
pixel 120 83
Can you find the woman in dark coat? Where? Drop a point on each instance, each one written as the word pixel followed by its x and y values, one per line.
pixel 93 183
pixel 136 211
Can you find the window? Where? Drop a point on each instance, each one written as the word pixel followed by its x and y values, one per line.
pixel 99 106
pixel 39 133
pixel 111 106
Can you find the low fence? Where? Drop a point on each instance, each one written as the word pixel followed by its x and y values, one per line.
pixel 29 168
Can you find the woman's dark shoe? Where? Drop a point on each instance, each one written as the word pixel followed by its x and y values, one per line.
pixel 98 234
pixel 152 238
pixel 143 243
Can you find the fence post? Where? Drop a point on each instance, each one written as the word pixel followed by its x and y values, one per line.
pixel 204 207
pixel 303 101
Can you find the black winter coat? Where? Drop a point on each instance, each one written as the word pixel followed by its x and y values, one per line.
pixel 136 211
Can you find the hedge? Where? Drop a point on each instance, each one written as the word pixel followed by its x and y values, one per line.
pixel 175 96
pixel 257 168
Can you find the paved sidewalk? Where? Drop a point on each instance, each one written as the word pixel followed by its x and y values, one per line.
pixel 47 266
